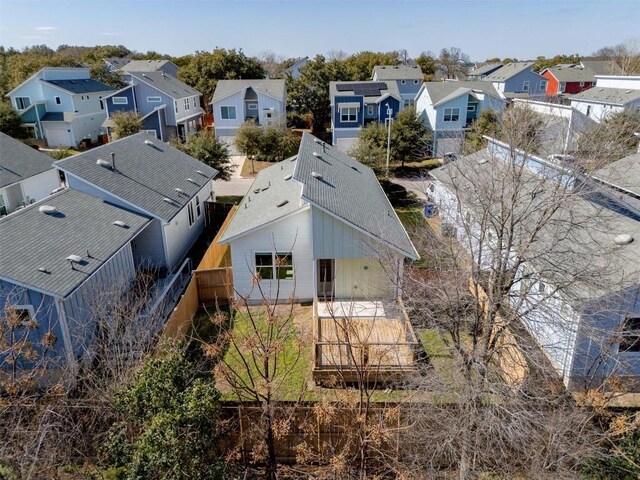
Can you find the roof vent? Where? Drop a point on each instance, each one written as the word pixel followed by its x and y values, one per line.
pixel 148 142
pixel 168 200
pixel 43 270
pixel 265 188
pixel 288 177
pixel 180 191
pixel 256 190
pixel 316 175
pixel 48 209
pixel 103 163
pixel 191 180
pixel 120 223
pixel 623 239
pixel 282 203
pixel 72 259
pixel 57 190
pixel 318 141
pixel 201 173
pixel 317 155
pixel 482 160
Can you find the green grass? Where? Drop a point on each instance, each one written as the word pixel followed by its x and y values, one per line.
pixel 411 217
pixel 247 168
pixel 235 199
pixel 413 169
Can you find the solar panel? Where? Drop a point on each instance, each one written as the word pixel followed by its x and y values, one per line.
pixel 366 89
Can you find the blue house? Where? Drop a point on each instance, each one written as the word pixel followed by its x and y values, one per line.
pixel 408 79
pixel 62 106
pixel 168 107
pixel 517 79
pixel 52 282
pixel 356 104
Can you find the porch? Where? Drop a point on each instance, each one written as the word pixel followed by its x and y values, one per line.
pixel 372 340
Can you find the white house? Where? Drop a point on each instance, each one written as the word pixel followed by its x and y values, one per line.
pixel 294 70
pixel 317 225
pixel 578 288
pixel 611 94
pixel 237 101
pixel 448 108
pixel 61 105
pixel 152 178
pixel 26 175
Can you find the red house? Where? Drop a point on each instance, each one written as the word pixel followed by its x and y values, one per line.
pixel 568 78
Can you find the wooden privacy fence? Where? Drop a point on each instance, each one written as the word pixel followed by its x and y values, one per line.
pixel 218 255
pixel 178 324
pixel 214 285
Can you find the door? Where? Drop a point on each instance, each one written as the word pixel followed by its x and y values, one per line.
pixel 326 278
pixel 57 137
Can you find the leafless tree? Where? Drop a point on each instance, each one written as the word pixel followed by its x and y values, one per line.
pixel 624 57
pixel 451 61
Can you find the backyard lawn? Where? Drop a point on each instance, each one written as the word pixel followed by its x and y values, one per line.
pixel 247 169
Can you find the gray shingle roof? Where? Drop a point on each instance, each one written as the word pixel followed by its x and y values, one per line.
pixel 507 71
pixel 145 174
pixel 272 87
pixel 599 67
pixel 144 65
pixel 348 189
pixel 440 91
pixel 19 161
pixel 572 74
pixel 117 62
pixel 397 72
pixel 31 240
pixel 485 69
pixel 85 85
pixel 392 88
pixel 574 249
pixel 166 84
pixel 624 174
pixel 613 96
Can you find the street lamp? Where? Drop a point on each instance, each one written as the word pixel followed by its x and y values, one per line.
pixel 388 121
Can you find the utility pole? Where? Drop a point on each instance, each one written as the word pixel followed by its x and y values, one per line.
pixel 389 120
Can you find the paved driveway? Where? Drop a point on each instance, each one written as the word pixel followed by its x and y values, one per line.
pixel 417 185
pixel 235 186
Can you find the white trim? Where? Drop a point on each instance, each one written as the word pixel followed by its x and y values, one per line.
pixel 66 334
pixel 159 99
pixel 238 236
pixel 126 100
pixel 117 92
pixel 244 89
pixel 21 110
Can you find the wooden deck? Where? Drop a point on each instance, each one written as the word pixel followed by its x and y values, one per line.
pixel 374 339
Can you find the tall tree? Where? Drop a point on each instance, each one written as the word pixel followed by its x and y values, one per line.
pixel 10 122
pixel 360 65
pixel 428 64
pixel 205 69
pixel 625 57
pixel 451 61
pixel 204 146
pixel 126 124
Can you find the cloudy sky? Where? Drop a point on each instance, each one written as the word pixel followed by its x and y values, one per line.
pixel 522 29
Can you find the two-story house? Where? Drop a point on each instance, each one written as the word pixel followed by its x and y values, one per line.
pixel 408 79
pixel 611 94
pixel 518 79
pixel 165 66
pixel 447 108
pixel 356 104
pixel 153 178
pixel 168 107
pixel 235 102
pixel 570 79
pixel 481 71
pixel 26 175
pixel 61 105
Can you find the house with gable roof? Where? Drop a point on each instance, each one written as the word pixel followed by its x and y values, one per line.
pixel 482 71
pixel 570 79
pixel 517 79
pixel 356 104
pixel 168 106
pixel 61 278
pixel 26 175
pixel 152 178
pixel 235 102
pixel 408 79
pixel 61 105
pixel 448 108
pixel 611 94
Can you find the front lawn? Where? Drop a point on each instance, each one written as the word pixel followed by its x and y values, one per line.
pixel 248 170
pixel 414 169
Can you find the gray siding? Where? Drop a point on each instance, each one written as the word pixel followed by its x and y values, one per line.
pixel 142 91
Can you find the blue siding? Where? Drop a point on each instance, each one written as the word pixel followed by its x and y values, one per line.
pixel 152 122
pixel 515 83
pixel 336 111
pixel 382 108
pixel 129 107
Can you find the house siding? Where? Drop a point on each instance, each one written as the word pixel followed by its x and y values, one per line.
pixel 236 100
pixel 40 186
pixel 333 238
pixel 515 83
pixel 118 107
pixel 142 91
pixel 337 100
pixel 266 102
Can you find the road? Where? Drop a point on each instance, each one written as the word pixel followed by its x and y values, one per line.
pixel 417 185
pixel 237 185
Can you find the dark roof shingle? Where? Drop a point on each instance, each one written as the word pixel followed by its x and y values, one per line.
pixel 19 161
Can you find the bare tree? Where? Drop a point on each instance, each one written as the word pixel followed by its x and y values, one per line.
pixel 624 57
pixel 451 61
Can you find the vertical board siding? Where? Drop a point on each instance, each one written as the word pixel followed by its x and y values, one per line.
pixel 115 107
pixel 333 238
pixel 142 91
pixel 363 278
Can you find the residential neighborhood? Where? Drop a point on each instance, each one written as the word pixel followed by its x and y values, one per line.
pixel 282 240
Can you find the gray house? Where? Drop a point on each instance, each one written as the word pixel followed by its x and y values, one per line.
pixel 479 73
pixel 518 79
pixel 408 79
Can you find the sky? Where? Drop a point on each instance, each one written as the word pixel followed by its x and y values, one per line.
pixel 522 29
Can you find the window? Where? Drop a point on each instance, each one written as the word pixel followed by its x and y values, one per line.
pixel 562 87
pixel 195 102
pixel 192 218
pixel 151 132
pixel 451 114
pixel 101 103
pixel 198 206
pixel 403 82
pixel 154 99
pixel 58 101
pixel 120 101
pixel 581 84
pixel 525 86
pixel 630 341
pixel 252 106
pixel 228 113
pixel 409 102
pixel 348 114
pixel 371 109
pixel 271 266
pixel 175 105
pixel 471 108
pixel 186 104
pixel 543 85
pixel 22 314
pixel 22 102
pixel 416 81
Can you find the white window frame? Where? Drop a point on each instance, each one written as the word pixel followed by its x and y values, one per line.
pixel 526 85
pixel 152 132
pixel 472 107
pixel 57 100
pixel 195 102
pixel 28 308
pixel 190 212
pixel 198 209
pixel 24 107
pixel 274 267
pixel 120 100
pixel 581 84
pixel 347 112
pixel 154 99
pixel 186 104
pixel 175 105
pixel 543 85
pixel 562 86
pixel 252 106
pixel 229 109
pixel 371 109
pixel 451 113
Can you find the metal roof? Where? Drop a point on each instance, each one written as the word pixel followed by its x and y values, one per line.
pixel 19 161
pixel 612 96
pixel 397 72
pixel 272 87
pixel 82 225
pixel 166 84
pixel 331 181
pixel 85 85
pixel 507 71
pixel 623 174
pixel 145 173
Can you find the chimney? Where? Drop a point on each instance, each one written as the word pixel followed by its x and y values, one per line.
pixel 113 161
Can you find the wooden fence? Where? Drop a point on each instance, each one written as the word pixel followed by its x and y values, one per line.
pixel 215 285
pixel 218 255
pixel 180 320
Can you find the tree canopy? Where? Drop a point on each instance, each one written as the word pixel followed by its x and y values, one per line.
pixel 10 122
pixel 204 146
